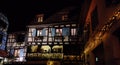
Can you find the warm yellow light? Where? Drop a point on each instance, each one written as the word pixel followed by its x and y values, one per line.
pixel 46 48
pixel 50 62
pixel 34 48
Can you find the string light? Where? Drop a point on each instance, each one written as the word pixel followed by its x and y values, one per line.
pixel 115 18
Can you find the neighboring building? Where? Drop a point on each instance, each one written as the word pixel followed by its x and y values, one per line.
pixel 16 47
pixel 3 36
pixel 101 32
pixel 55 40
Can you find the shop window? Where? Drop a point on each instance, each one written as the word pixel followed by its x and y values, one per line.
pixel 19 55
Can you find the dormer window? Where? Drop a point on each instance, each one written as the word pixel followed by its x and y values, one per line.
pixel 40 18
pixel 64 17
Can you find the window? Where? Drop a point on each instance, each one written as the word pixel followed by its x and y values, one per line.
pixel 40 18
pixel 11 39
pixel 19 55
pixel 39 33
pixel 52 31
pixel 32 34
pixel 73 31
pixel 64 17
pixel 44 32
pixel 58 32
pixel 65 31
pixel 30 39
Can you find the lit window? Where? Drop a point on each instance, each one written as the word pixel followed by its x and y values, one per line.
pixel 96 58
pixel 30 39
pixel 65 31
pixel 11 39
pixel 19 54
pixel 39 32
pixel 44 32
pixel 29 34
pixel 64 17
pixel 40 18
pixel 73 31
pixel 68 25
pixel 33 32
pixel 45 39
pixel 52 32
pixel 16 53
pixel 73 24
pixel 58 32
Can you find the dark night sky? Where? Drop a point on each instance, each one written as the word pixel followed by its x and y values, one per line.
pixel 21 12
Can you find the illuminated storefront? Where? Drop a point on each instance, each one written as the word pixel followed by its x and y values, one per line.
pixel 16 47
pixel 54 41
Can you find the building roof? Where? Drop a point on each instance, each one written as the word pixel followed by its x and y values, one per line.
pixel 72 12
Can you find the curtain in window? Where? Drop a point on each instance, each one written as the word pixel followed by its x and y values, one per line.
pixel 11 52
pixel 21 52
pixel 65 31
pixel 44 32
pixel 34 33
pixel 53 31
